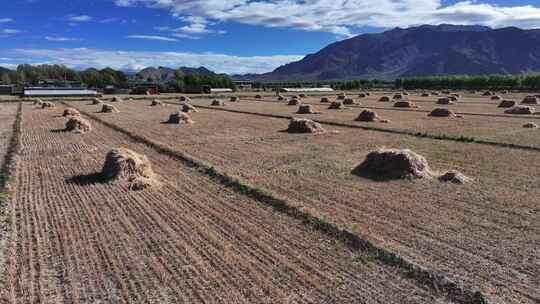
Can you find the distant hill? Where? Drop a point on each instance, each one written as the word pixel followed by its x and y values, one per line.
pixel 423 50
pixel 163 74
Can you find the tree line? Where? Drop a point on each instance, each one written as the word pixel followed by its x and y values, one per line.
pixel 491 82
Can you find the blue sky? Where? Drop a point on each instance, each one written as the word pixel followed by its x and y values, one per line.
pixel 233 36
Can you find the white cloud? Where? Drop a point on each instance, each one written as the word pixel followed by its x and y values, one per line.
pixel 61 39
pixel 6 20
pixel 80 18
pixel 342 16
pixel 9 31
pixel 81 58
pixel 151 37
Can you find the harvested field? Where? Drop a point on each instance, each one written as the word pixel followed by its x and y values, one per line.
pixel 485 234
pixel 75 239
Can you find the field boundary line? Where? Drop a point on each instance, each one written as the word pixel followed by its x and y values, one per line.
pixel 465 139
pixel 439 283
pixel 7 180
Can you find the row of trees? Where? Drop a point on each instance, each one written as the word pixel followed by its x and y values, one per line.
pixel 495 82
pixel 181 82
pixel 33 75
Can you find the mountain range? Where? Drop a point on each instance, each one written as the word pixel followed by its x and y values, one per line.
pixel 423 50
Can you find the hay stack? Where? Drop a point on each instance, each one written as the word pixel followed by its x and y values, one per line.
pixel 117 99
pixel 455 177
pixel 495 97
pixel 258 96
pixel 97 101
pixel 305 109
pixel 234 99
pixel 301 125
pixel 398 96
pixel 156 102
pixel 325 100
pixel 442 112
pixel 405 93
pixel 280 98
pixel 530 100
pixel 367 116
pixel 336 105
pixel 367 93
pixel 388 164
pixel 447 92
pixel 71 112
pixel 78 124
pixel 522 110
pixel 293 101
pixel 38 102
pixel 362 95
pixel 179 118
pixel 507 104
pixel 444 101
pixel 435 93
pixel 453 98
pixel 405 104
pixel 302 95
pixel 47 104
pixel 426 94
pixel 184 98
pixel 218 102
pixel 341 96
pixel 384 99
pixel 348 101
pixel 107 108
pixel 487 93
pixel 530 125
pixel 126 166
pixel 187 108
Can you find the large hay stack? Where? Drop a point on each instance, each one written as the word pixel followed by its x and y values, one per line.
pixel 107 108
pixel 367 116
pixel 444 101
pixel 388 164
pixel 293 101
pixel 507 104
pixel 305 109
pixel 532 100
pixel 405 104
pixel 384 99
pixel 520 110
pixel 398 96
pixel 301 125
pixel 348 101
pixel 187 108
pixel 341 96
pixel 179 118
pixel 217 102
pixel 70 112
pixel 156 102
pixel 97 101
pixel 77 124
pixel 336 105
pixel 442 112
pixel 126 166
pixel 325 100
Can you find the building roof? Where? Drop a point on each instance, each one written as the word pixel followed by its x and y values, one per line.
pixel 307 89
pixel 59 92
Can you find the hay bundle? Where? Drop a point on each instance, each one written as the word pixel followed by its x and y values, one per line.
pixel 47 104
pixel 435 93
pixel 348 101
pixel 367 116
pixel 455 177
pixel 258 96
pixel 302 95
pixel 117 99
pixel 78 124
pixel 325 100
pixel 38 102
pixel 442 112
pixel 71 112
pixel 301 125
pixel 293 101
pixel 405 93
pixel 234 99
pixel 384 99
pixel 505 92
pixel 530 125
pixel 522 110
pixel 97 101
pixel 156 102
pixel 495 97
pixel 362 95
pixel 507 104
pixel 426 94
pixel 446 92
pixel 444 101
pixel 280 98
pixel 218 102
pixel 404 104
pixel 530 100
pixel 187 108
pixel 107 108
pixel 455 95
pixel 124 165
pixel 341 96
pixel 387 164
pixel 305 109
pixel 453 98
pixel 185 99
pixel 336 105
pixel 179 118
pixel 398 96
pixel 487 93
pixel 367 93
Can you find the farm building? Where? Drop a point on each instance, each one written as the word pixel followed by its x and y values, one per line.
pixel 324 89
pixel 221 90
pixel 7 89
pixel 144 88
pixel 58 92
